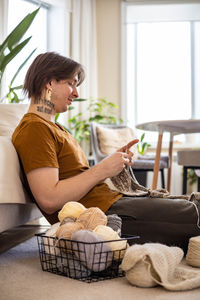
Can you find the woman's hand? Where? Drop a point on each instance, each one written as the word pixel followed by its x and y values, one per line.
pixel 114 163
pixel 128 146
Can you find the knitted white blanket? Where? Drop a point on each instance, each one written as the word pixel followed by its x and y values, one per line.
pixel 154 264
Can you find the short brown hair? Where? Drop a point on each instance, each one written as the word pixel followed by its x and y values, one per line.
pixel 47 66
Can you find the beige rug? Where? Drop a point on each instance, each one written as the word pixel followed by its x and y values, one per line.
pixel 21 278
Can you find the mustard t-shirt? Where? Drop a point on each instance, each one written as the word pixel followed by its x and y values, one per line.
pixel 41 143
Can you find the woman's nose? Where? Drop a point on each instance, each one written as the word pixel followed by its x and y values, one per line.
pixel 75 92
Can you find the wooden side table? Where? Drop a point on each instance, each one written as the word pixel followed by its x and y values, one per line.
pixel 174 127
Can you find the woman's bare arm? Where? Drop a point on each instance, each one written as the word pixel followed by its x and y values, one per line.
pixel 51 193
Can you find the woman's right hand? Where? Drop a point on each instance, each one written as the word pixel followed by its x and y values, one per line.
pixel 113 164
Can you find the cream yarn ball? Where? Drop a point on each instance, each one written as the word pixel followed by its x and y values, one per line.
pixel 92 217
pixel 108 234
pixel 71 209
pixel 49 240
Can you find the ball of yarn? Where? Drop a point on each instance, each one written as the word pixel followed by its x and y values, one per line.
pixel 49 240
pixel 71 209
pixel 67 220
pixel 71 266
pixel 115 222
pixel 92 217
pixel 108 234
pixel 52 230
pixel 65 232
pixel 193 253
pixel 91 250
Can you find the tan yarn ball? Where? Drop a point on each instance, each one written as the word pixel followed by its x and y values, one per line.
pixel 92 217
pixel 71 209
pixel 65 231
pixel 108 234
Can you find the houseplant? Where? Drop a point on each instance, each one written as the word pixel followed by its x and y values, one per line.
pixel 99 110
pixel 10 47
pixel 143 146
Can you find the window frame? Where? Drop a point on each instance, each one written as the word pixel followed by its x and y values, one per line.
pixel 126 107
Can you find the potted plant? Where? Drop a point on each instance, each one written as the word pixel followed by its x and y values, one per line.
pixel 10 47
pixel 10 115
pixel 100 111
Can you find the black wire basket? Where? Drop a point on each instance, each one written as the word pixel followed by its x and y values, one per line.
pixel 87 262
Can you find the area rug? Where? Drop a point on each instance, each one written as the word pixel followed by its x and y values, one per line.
pixel 21 278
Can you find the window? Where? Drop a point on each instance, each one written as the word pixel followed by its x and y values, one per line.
pixel 17 10
pixel 161 59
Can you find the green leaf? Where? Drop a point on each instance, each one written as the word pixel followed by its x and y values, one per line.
pixel 21 66
pixel 13 53
pixel 79 100
pixel 144 145
pixel 16 35
pixel 56 117
pixel 142 137
pixel 19 87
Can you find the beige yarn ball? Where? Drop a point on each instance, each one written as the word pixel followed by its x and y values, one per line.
pixel 108 234
pixel 67 220
pixel 92 217
pixel 65 231
pixel 71 209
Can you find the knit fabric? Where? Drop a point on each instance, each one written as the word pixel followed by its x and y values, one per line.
pixel 156 264
pixel 126 183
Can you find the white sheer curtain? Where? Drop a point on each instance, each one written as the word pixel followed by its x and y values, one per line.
pixel 3 31
pixel 83 50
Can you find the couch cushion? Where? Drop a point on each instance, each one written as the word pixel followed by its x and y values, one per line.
pixel 111 140
pixel 10 115
pixel 11 188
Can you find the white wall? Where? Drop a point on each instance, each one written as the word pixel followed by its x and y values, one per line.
pixel 108 15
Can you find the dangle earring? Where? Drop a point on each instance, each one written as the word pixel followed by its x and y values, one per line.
pixel 48 94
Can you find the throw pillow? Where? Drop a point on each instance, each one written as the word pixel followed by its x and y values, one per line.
pixel 110 139
pixel 10 116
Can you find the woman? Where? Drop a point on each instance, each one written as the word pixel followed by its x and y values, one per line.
pixel 57 170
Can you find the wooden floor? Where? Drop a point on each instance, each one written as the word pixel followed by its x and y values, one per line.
pixel 17 235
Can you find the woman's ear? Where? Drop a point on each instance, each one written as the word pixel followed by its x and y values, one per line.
pixel 48 85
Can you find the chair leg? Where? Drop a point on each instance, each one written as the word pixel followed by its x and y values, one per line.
pixel 198 184
pixel 184 180
pixel 162 178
